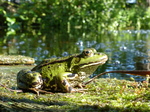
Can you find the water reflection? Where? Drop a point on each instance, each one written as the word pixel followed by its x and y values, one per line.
pixel 127 50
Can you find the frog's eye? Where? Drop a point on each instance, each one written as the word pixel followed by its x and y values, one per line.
pixel 88 52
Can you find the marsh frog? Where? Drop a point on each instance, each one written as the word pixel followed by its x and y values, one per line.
pixel 61 74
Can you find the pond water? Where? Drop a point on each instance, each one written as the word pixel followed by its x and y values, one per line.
pixel 127 50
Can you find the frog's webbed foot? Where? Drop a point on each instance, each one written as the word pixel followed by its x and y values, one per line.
pixel 38 91
pixel 80 85
pixel 35 90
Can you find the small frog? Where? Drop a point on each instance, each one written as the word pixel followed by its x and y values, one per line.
pixel 61 74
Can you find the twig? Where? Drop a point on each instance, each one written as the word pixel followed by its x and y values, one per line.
pixel 132 72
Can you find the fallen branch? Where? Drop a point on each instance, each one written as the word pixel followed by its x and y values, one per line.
pixel 18 91
pixel 132 72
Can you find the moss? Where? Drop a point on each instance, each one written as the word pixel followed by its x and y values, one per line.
pixel 102 95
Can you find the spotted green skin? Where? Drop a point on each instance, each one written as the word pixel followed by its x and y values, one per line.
pixel 63 74
pixel 27 79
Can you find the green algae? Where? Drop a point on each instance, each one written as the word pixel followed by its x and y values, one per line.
pixel 106 95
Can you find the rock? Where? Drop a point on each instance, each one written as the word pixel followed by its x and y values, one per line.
pixel 15 60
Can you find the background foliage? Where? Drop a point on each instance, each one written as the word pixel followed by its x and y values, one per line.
pixel 79 14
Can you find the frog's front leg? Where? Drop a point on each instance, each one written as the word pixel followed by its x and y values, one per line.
pixel 66 82
pixel 77 79
pixel 69 89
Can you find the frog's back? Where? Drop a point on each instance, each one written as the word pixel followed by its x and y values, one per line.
pixel 49 61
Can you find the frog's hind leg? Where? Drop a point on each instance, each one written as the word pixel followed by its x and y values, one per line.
pixel 29 79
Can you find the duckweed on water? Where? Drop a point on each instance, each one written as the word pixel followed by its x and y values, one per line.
pixel 102 95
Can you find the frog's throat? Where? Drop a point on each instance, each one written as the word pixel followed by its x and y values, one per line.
pixel 101 62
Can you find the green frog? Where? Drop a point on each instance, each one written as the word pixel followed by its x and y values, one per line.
pixel 61 74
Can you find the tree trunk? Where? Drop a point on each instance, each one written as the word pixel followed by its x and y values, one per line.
pixel 148 2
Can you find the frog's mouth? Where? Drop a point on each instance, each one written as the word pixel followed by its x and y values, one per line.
pixel 98 63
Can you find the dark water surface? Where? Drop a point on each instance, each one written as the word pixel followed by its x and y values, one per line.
pixel 127 50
